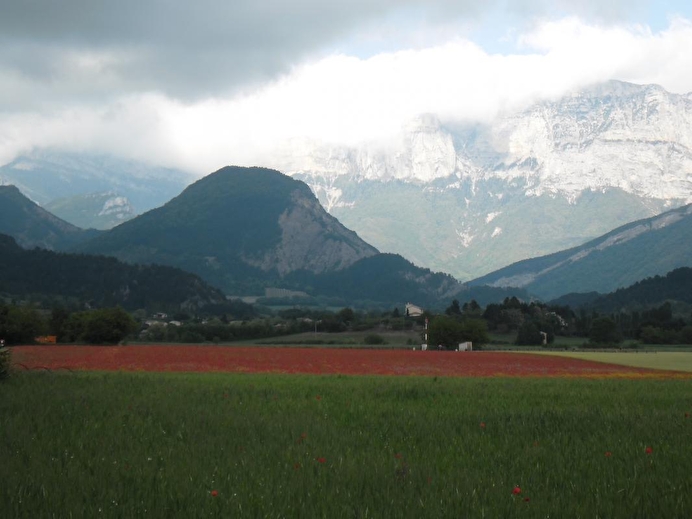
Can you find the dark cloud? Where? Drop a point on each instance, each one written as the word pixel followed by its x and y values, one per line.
pixel 184 49
pixel 91 50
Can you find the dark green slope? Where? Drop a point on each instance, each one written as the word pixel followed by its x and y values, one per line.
pixel 642 249
pixel 101 281
pixel 33 226
pixel 647 293
pixel 392 279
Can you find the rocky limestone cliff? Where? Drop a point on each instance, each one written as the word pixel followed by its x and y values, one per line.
pixel 469 199
pixel 311 240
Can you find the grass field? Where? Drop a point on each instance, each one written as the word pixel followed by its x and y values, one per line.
pixel 667 360
pixel 243 445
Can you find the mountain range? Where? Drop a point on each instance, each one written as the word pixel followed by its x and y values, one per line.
pixel 248 229
pixel 469 199
pixel 92 191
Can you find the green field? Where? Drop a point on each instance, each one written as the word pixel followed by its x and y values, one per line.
pixel 158 445
pixel 668 360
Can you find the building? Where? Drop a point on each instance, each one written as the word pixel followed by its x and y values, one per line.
pixel 413 310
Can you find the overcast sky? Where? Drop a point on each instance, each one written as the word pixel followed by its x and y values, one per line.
pixel 199 85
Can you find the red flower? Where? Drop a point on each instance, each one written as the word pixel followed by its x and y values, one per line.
pixel 526 500
pixel 318 397
pixel 482 425
pixel 214 493
pixel 398 455
pixel 608 454
pixel 516 490
pixel 649 450
pixel 321 460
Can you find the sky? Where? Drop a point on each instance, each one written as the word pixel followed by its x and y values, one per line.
pixel 200 85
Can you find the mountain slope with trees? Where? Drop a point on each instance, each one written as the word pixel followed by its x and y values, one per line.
pixel 33 226
pixel 101 281
pixel 645 248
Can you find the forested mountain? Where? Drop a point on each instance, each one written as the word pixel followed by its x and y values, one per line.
pixel 240 229
pixel 641 249
pixel 393 279
pixel 101 281
pixel 33 226
pixel 647 293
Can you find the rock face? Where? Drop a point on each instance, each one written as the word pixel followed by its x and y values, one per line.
pixel 313 240
pixel 471 199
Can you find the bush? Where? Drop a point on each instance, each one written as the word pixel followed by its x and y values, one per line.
pixel 374 338
pixel 604 331
pixel 4 362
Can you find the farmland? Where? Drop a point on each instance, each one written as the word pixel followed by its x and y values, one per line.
pixel 171 444
pixel 315 361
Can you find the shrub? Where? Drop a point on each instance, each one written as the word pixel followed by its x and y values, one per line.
pixel 4 362
pixel 374 338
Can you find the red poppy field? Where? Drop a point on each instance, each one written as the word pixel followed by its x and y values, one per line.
pixel 317 361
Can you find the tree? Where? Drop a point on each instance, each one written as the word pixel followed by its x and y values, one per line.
pixel 454 310
pixel 20 324
pixel 449 332
pixel 529 334
pixel 604 331
pixel 108 326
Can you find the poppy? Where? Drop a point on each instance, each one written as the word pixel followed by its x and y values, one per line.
pixel 526 500
pixel 321 460
pixel 516 491
pixel 482 425
pixel 608 454
pixel 398 455
pixel 214 493
pixel 649 450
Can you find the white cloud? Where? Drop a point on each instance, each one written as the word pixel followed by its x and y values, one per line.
pixel 346 99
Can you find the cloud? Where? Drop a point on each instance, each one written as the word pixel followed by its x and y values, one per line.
pixel 97 50
pixel 148 89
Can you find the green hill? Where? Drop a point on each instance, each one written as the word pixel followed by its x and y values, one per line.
pixel 647 293
pixel 101 281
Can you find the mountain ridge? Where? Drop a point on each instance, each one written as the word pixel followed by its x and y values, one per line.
pixel 628 254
